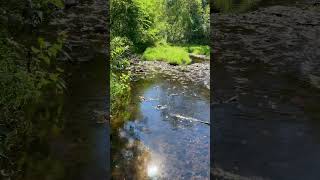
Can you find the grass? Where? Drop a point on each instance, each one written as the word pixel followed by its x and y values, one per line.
pixel 172 54
pixel 198 49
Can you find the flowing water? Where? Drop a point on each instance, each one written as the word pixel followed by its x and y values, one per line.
pixel 267 119
pixel 74 141
pixel 163 138
pixel 79 147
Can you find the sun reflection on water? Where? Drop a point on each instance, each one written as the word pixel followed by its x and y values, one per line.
pixel 152 171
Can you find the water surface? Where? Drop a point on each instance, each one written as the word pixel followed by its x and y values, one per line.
pixel 267 119
pixel 155 142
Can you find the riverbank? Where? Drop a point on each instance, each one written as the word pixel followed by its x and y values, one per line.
pixel 197 73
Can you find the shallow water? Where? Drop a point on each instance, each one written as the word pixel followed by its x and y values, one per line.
pixel 267 125
pixel 154 142
pixel 227 6
pixel 79 147
pixel 267 118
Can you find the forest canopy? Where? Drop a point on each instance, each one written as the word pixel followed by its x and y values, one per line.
pixel 146 22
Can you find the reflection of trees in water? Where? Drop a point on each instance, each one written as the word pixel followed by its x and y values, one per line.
pixel 37 158
pixel 130 158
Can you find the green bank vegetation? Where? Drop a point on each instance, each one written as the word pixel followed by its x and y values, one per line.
pixel 172 54
pixel 157 30
pixel 29 77
pixel 175 54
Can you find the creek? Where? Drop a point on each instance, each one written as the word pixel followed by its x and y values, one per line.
pixel 266 91
pixel 166 134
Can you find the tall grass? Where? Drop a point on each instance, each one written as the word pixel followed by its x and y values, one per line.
pixel 197 49
pixel 171 54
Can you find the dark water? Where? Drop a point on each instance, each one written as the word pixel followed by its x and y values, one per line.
pixel 79 149
pixel 270 128
pixel 76 147
pixel 267 123
pixel 249 5
pixel 154 143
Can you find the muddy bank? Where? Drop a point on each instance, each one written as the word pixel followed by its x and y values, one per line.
pixel 285 37
pixel 198 73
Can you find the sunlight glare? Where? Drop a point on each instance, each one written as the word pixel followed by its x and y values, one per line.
pixel 152 170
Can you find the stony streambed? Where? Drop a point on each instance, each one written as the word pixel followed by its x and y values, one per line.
pixel 167 132
pixel 197 73
pixel 266 79
pixel 285 37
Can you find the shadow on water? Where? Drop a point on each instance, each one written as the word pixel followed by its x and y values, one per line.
pixel 266 117
pixel 78 148
pixel 247 5
pixel 154 142
pixel 268 124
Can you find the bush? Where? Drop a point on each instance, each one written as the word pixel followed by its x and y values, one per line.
pixel 119 80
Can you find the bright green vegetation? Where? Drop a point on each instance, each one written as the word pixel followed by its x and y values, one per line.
pixel 198 49
pixel 175 55
pixel 171 54
pixel 146 22
pixel 119 80
pixel 146 27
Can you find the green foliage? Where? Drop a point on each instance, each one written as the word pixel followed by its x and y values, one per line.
pixel 119 85
pixel 197 49
pixel 171 54
pixel 187 21
pixel 27 80
pixel 120 48
pixel 145 22
pixel 119 81
pixel 138 25
pixel 138 20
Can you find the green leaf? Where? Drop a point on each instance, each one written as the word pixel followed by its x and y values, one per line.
pixel 42 43
pixel 35 50
pixel 46 59
pixel 60 70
